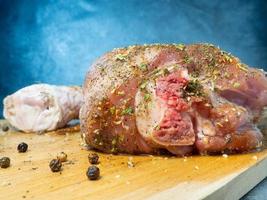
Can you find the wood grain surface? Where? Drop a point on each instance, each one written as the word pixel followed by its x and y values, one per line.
pixel 152 177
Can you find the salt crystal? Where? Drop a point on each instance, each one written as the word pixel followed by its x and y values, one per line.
pixel 118 176
pixel 196 167
pixel 130 162
pixel 225 155
pixel 185 158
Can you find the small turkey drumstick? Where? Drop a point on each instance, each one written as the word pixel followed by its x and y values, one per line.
pixel 42 107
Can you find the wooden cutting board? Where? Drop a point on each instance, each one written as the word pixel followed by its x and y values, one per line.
pixel 152 177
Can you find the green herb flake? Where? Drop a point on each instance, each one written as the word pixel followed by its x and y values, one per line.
pixel 227 75
pixel 160 72
pixel 143 66
pixel 242 67
pixel 166 71
pixel 114 141
pixel 236 85
pixel 121 138
pixel 114 150
pixel 157 127
pixel 147 97
pixel 127 111
pixel 121 93
pixel 121 57
pixel 187 59
pixel 143 85
pixel 228 58
pixel 195 74
pixel 112 110
pixel 180 46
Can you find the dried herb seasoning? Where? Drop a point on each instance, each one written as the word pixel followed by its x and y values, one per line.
pixel 121 57
pixel 193 88
pixel 127 111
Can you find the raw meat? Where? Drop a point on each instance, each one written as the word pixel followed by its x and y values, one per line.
pixel 43 107
pixel 179 98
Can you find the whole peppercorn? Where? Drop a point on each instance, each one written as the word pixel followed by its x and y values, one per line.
pixel 93 172
pixel 5 127
pixel 62 157
pixel 55 165
pixel 93 158
pixel 4 162
pixel 22 147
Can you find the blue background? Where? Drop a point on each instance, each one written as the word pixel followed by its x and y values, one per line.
pixel 55 41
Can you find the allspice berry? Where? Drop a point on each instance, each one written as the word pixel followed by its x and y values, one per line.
pixel 93 158
pixel 62 157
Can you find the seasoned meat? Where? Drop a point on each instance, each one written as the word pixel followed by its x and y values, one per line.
pixel 179 98
pixel 42 107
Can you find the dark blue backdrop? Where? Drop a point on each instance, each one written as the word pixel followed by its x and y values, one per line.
pixel 55 41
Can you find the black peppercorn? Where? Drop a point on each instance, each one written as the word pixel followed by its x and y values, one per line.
pixel 55 165
pixel 93 173
pixel 93 158
pixel 4 162
pixel 5 128
pixel 22 147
